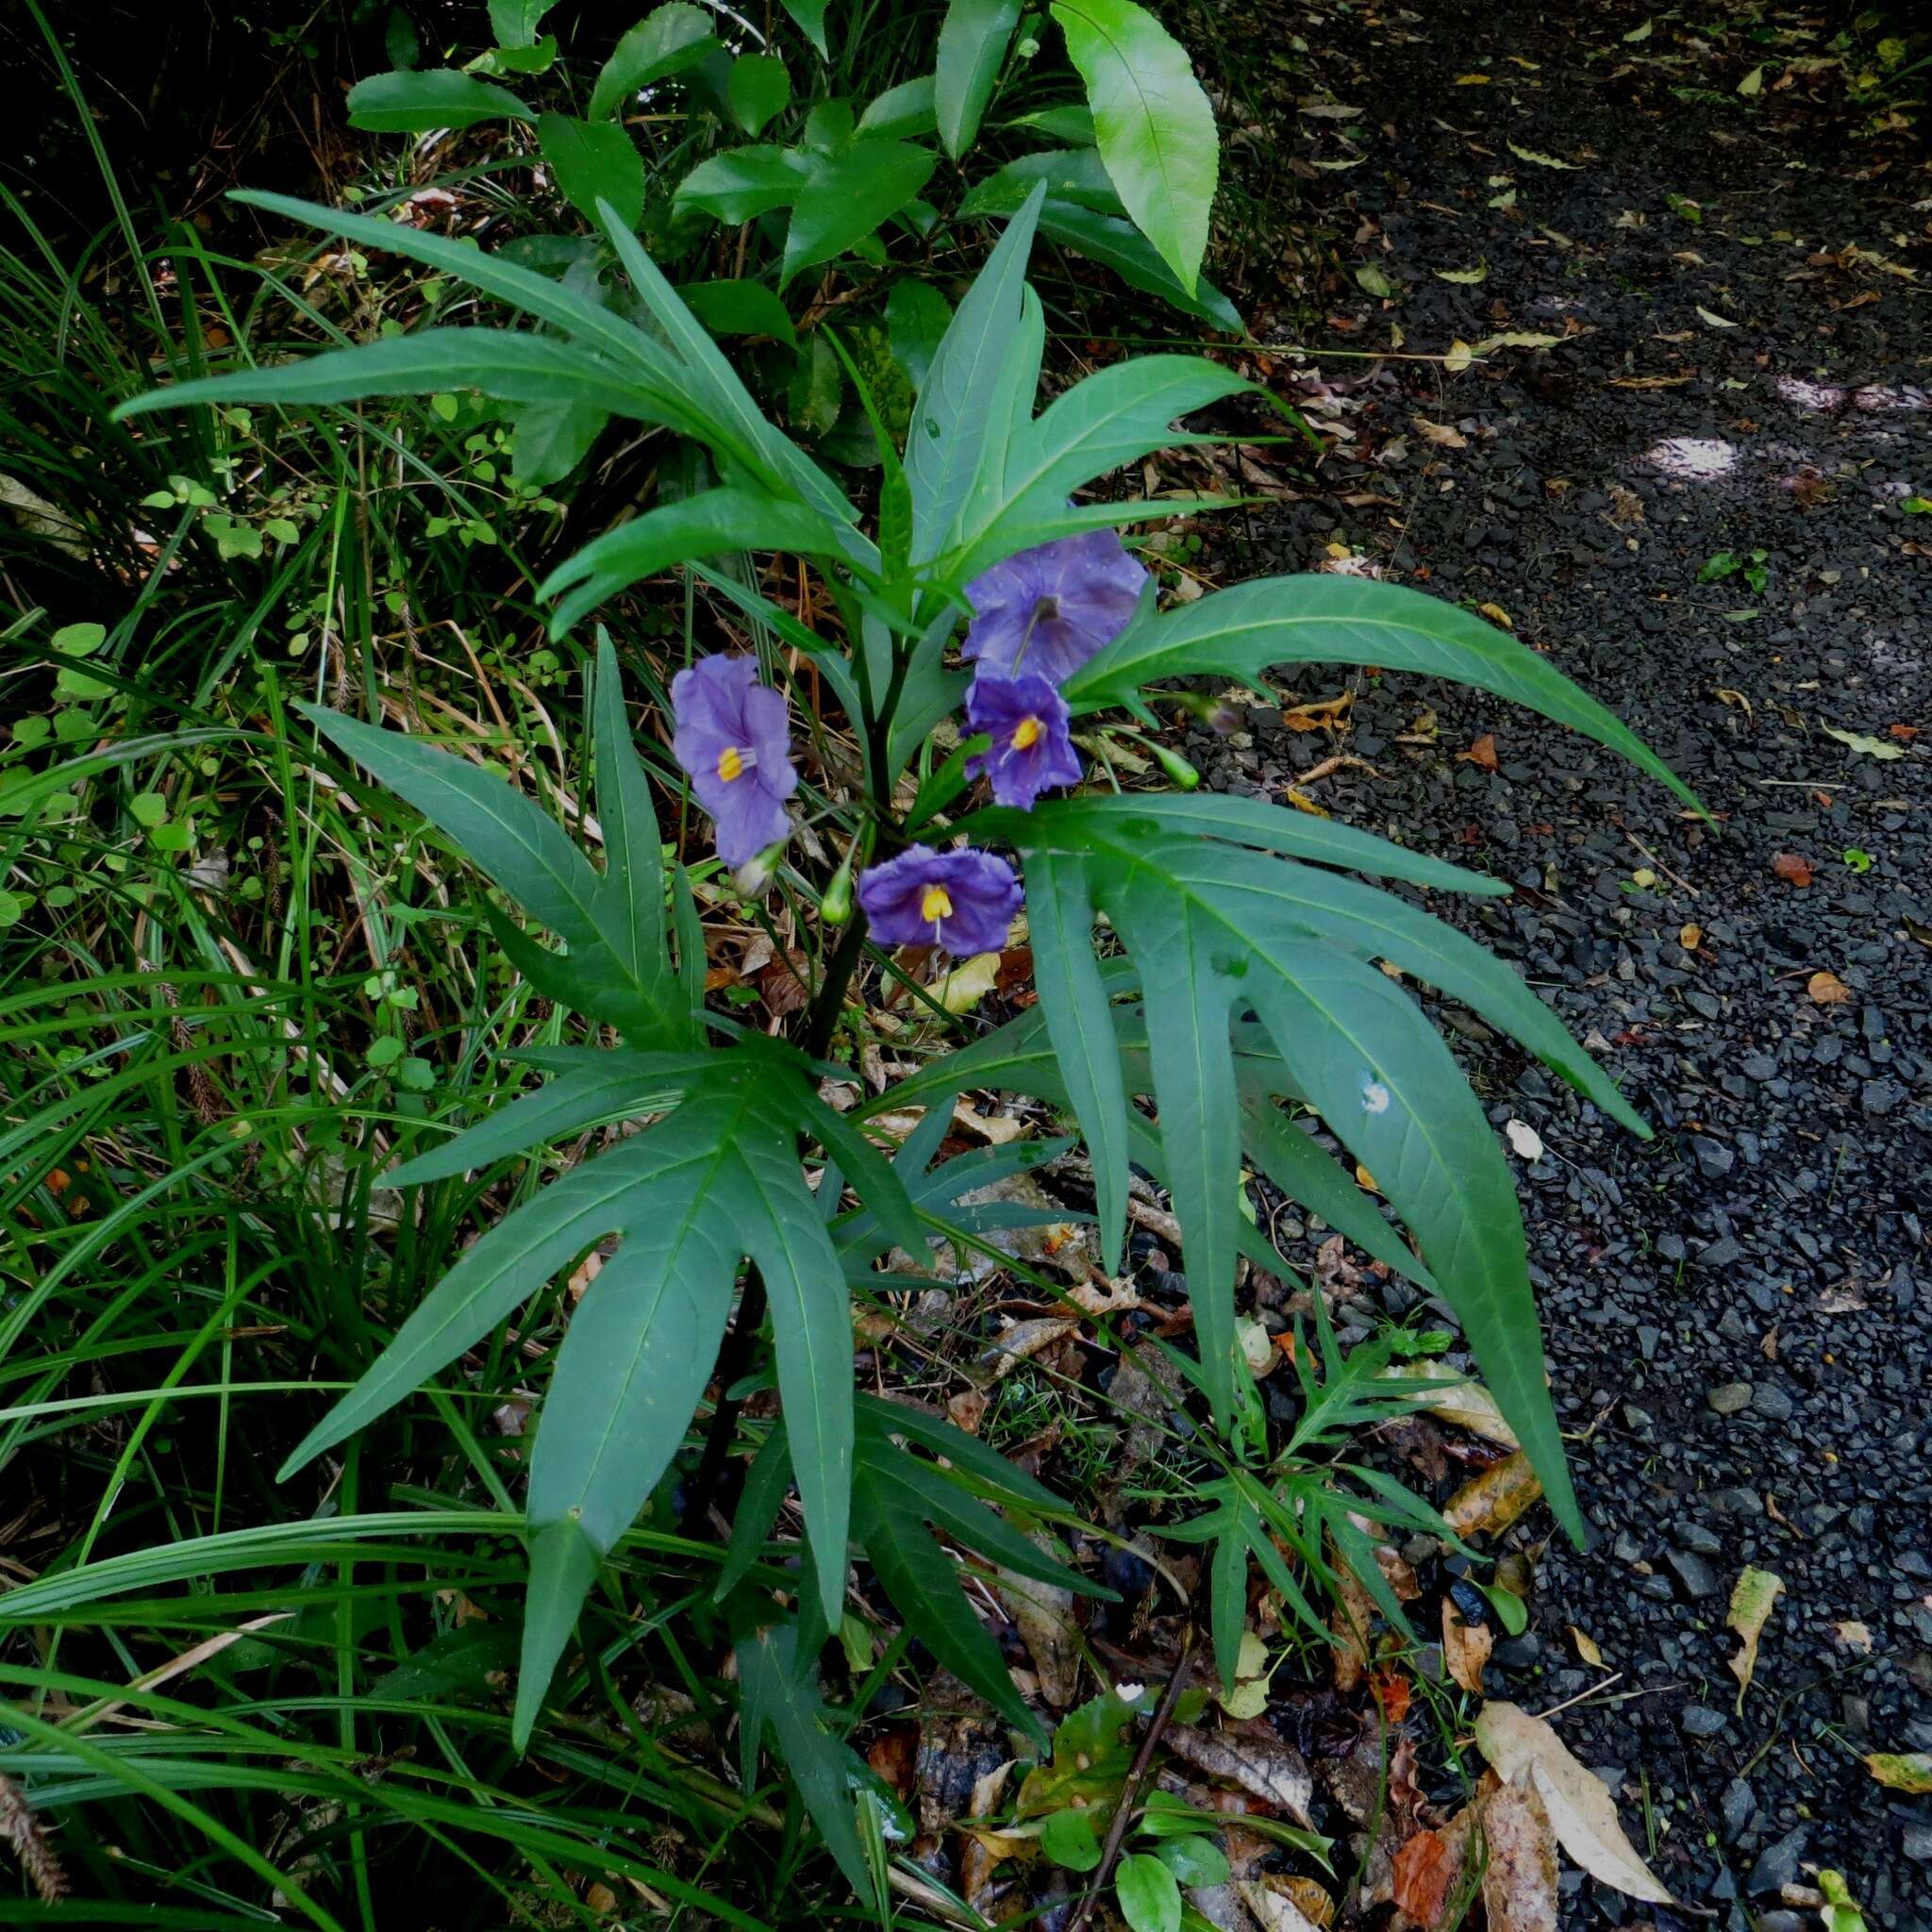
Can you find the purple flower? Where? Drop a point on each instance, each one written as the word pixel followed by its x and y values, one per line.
pixel 1031 749
pixel 963 901
pixel 733 741
pixel 1052 608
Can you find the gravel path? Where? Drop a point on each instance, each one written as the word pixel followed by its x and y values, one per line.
pixel 1738 1311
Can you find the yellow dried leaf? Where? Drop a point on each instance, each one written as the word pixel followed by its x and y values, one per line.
pixel 1690 937
pixel 1902 1772
pixel 1496 614
pixel 1488 1504
pixel 1586 1647
pixel 1827 988
pixel 1465 1648
pixel 967 983
pixel 1751 1597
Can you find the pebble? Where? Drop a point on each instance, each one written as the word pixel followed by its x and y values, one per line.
pixel 1696 1576
pixel 1737 1807
pixel 1713 1156
pixel 1777 1864
pixel 1700 1720
pixel 1728 1398
pixel 1772 1403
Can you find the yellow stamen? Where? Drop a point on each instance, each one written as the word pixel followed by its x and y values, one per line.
pixel 935 906
pixel 1026 734
pixel 731 763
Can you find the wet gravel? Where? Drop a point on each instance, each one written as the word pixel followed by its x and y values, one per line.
pixel 1739 1312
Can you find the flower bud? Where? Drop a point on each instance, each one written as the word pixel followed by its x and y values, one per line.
pixel 1176 767
pixel 835 908
pixel 754 876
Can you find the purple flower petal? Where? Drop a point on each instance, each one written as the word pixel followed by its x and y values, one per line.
pixel 1032 747
pixel 963 901
pixel 1052 608
pixel 733 743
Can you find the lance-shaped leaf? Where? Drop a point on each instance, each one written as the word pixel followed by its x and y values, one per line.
pixel 619 965
pixel 1215 931
pixel 1320 620
pixel 964 418
pixel 896 1496
pixel 689 1200
pixel 780 1696
pixel 713 521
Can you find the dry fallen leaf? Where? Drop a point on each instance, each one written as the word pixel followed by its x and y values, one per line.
pixel 1466 1404
pixel 1482 754
pixel 1425 1867
pixel 1024 1340
pixel 1586 1646
pixel 1274 1910
pixel 1525 1751
pixel 1524 1140
pixel 1043 1614
pixel 1350 1620
pixel 1466 1648
pixel 967 983
pixel 1273 1771
pixel 1520 1877
pixel 1755 1593
pixel 1791 867
pixel 1488 1504
pixel 1852 1634
pixel 1827 988
pixel 1690 937
pixel 1902 1772
pixel 1440 433
pixel 1863 741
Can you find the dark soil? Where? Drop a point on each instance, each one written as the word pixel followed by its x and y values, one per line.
pixel 1774 1233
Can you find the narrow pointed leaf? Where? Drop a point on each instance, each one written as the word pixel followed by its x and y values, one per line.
pixel 972 47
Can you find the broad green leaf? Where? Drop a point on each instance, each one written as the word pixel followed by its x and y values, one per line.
pixel 702 526
pixel 848 194
pixel 1151 123
pixel 552 438
pixel 973 47
pixel 739 308
pixel 1120 246
pixel 417 102
pixel 1150 1900
pixel 1070 174
pixel 917 318
pixel 902 112
pixel 743 182
pixel 779 1694
pixel 1244 631
pixel 1194 1861
pixel 675 37
pixel 515 22
pixel 946 448
pixel 594 161
pixel 1068 1838
pixel 809 16
pixel 759 89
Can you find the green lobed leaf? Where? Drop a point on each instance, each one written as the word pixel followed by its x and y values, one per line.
pixel 1151 123
pixel 972 47
pixel 418 101
pixel 1243 631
